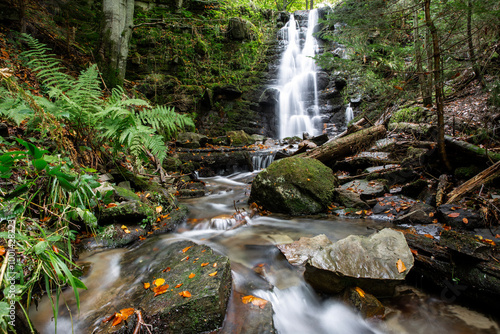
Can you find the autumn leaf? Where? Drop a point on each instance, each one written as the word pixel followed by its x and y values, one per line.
pixel 178 285
pixel 247 299
pixel 166 270
pixel 428 236
pixel 191 275
pixel 454 214
pixel 146 285
pixel 398 88
pixel 158 281
pixel 401 266
pixel 360 292
pixel 215 265
pixel 446 227
pixel 497 236
pixel 186 249
pixel 414 251
pixel 431 214
pixel 110 205
pixel 254 300
pixel 185 294
pixel 2 250
pixel 118 319
pixel 127 312
pixel 160 290
pixel 55 249
pixel 212 274
pixel 204 264
pixel 465 220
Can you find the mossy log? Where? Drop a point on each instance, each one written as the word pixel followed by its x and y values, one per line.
pixel 484 177
pixel 469 149
pixel 336 149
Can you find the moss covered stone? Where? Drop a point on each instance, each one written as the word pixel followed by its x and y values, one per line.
pixel 295 186
pixel 240 138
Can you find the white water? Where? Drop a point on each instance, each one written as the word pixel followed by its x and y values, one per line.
pixel 349 114
pixel 297 77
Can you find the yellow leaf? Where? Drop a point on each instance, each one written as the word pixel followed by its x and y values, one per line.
pixel 146 285
pixel 191 275
pixel 401 266
pixel 159 209
pixel 126 231
pixel 204 264
pixel 158 281
pixel 186 249
pixel 118 319
pixel 124 227
pixel 259 302
pixel 247 299
pixel 127 312
pixel 212 274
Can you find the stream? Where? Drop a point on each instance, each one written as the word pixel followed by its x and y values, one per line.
pixel 297 308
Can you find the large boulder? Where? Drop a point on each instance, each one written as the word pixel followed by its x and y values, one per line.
pixel 294 186
pixel 239 138
pixel 202 310
pixel 370 263
pixel 240 29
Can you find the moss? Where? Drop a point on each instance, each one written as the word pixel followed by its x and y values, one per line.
pixel 465 173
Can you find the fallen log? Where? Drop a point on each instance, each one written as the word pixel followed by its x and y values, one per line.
pixel 484 177
pixel 330 152
pixel 420 130
pixel 442 189
pixel 468 148
pixel 358 126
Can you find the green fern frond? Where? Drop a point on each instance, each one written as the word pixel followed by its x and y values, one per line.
pixel 46 65
pixel 14 108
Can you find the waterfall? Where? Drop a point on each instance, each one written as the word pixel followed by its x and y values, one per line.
pixel 298 104
pixel 349 114
pixel 263 159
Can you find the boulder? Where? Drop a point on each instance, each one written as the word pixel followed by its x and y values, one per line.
pixel 370 263
pixel 227 92
pixel 270 97
pixel 295 186
pixel 350 199
pixel 125 212
pixel 203 310
pixel 393 206
pixel 367 305
pixel 240 29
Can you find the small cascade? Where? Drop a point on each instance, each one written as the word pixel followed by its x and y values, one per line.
pixel 263 159
pixel 298 102
pixel 224 222
pixel 349 114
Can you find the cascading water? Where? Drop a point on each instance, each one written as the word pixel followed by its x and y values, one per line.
pixel 298 105
pixel 349 114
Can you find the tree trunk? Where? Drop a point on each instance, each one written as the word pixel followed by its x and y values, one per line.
pixel 468 149
pixel 438 84
pixel 418 58
pixel 330 152
pixel 428 77
pixel 472 56
pixel 118 22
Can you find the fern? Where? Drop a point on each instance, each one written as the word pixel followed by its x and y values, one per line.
pixel 166 121
pixel 46 65
pixel 14 108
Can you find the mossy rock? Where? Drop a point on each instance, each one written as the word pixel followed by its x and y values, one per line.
pixel 126 212
pixel 240 138
pixel 295 186
pixel 465 173
pixel 124 194
pixel 172 164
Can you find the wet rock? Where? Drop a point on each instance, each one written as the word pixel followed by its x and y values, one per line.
pixel 415 188
pixel 465 244
pixel 270 97
pixel 320 140
pixel 240 29
pixel 4 130
pixel 367 305
pixel 367 262
pixel 227 92
pixel 393 206
pixel 125 212
pixel 249 318
pixel 191 140
pixel 240 138
pixel 322 80
pixel 459 217
pixel 419 213
pixel 304 146
pixel 169 312
pixel 295 186
pixel 216 162
pixel 395 176
pixel 363 160
pixel 365 189
pixel 350 199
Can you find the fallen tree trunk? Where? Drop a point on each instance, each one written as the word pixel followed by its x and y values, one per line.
pixel 420 130
pixel 330 152
pixel 484 177
pixel 468 148
pixel 358 126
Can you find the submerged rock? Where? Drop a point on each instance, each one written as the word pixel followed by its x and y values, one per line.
pixel 370 263
pixel 295 186
pixel 367 305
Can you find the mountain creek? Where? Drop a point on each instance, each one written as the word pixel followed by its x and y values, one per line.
pixel 258 269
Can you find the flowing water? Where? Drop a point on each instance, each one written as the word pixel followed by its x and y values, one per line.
pixel 298 104
pixel 297 308
pixel 349 114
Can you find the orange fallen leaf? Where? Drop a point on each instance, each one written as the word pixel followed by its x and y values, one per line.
pixel 428 236
pixel 497 236
pixel 204 250
pixel 489 241
pixel 215 265
pixel 247 299
pixel 191 275
pixel 254 300
pixel 212 274
pixel 431 214
pixel 465 220
pixel 360 292
pixel 178 285
pixel 166 270
pixel 55 249
pixel 454 214
pixel 185 294
pixel 2 250
pixel 446 227
pixel 204 264
pixel 401 266
pixel 146 285
pixel 160 290
pixel 414 251
pixel 118 319
pixel 186 249
pixel 158 209
pixel 158 281
pixel 110 205
pixel 127 312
